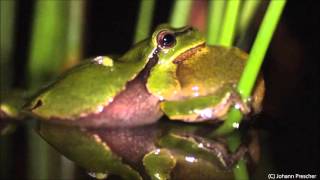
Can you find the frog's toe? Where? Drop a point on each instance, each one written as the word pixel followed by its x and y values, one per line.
pixel 243 107
pixel 236 156
pixel 240 104
pixel 98 175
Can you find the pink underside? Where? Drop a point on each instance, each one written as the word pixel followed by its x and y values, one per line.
pixel 132 107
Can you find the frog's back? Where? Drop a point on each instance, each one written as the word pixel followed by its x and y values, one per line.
pixel 85 89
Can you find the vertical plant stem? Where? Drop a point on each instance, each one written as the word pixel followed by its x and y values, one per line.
pixel 229 23
pixel 226 39
pixel 215 16
pixel 7 10
pixel 247 14
pixel 74 43
pixel 240 170
pixel 254 62
pixel 47 51
pixel 260 47
pixel 5 158
pixel 143 25
pixel 38 167
pixel 180 13
pixel 67 168
pixel 46 57
pixel 74 32
pixel 249 76
pixel 7 22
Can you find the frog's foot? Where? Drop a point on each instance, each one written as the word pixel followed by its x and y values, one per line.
pixel 206 108
pixel 233 158
pixel 243 106
pixel 98 175
pixel 214 150
pixel 220 110
pixel 220 149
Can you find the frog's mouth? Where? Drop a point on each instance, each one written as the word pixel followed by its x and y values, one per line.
pixel 185 55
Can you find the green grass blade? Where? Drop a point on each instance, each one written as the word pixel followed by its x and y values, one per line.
pixel 6 155
pixel 260 47
pixel 67 168
pixel 48 45
pixel 7 10
pixel 74 32
pixel 254 62
pixel 229 23
pixel 143 26
pixel 47 55
pixel 248 79
pixel 240 170
pixel 228 29
pixel 38 158
pixel 180 13
pixel 247 14
pixel 74 42
pixel 215 16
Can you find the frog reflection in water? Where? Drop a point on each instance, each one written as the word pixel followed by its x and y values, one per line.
pixel 173 73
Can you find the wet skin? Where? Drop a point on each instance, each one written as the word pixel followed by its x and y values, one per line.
pixel 113 107
pixel 173 73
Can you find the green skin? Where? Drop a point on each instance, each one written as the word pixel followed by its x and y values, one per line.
pixel 160 151
pixel 187 81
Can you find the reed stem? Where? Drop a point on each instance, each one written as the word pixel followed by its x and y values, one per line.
pixel 215 17
pixel 228 28
pixel 180 13
pixel 143 26
pixel 256 56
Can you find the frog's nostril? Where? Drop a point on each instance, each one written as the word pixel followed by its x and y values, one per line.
pixel 38 104
pixel 190 28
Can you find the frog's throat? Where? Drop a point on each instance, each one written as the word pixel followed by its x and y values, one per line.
pixel 185 55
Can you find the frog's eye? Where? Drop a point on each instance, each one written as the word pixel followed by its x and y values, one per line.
pixel 166 39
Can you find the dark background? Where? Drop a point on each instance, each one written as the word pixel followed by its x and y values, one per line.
pixel 290 118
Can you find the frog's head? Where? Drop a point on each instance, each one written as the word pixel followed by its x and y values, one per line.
pixel 171 48
pixel 176 44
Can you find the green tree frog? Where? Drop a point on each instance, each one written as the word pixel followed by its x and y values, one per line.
pixel 113 106
pixel 173 73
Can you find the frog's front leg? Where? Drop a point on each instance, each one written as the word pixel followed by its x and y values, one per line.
pixel 203 108
pixel 212 150
pixel 159 163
